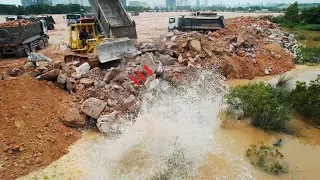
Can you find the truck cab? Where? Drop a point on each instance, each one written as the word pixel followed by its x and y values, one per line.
pixel 72 18
pixel 173 23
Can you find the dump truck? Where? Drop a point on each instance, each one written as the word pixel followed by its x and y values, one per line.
pixel 49 20
pixel 196 23
pixel 73 17
pixel 116 24
pixel 20 37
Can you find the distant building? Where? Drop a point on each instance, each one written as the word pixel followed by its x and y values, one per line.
pixel 205 3
pixel 32 2
pixel 124 3
pixel 144 4
pixel 198 3
pixel 134 3
pixel 171 3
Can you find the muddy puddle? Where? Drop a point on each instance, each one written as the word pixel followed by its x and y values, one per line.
pixel 182 136
pixel 300 73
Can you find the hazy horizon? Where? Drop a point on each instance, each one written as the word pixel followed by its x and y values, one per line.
pixel 193 2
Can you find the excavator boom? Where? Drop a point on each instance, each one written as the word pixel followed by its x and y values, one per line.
pixel 113 19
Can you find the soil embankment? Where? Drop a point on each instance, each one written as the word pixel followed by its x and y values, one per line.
pixel 32 135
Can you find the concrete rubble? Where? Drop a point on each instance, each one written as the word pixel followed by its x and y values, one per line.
pixel 246 48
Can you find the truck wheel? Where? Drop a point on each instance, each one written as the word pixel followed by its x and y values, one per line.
pixel 4 36
pixel 27 50
pixel 32 47
pixel 46 42
pixel 20 52
pixel 41 44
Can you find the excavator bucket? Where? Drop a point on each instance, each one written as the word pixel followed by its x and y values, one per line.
pixel 110 50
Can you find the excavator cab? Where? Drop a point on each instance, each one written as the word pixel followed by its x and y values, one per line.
pixel 85 44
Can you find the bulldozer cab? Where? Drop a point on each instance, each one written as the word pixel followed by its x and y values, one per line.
pixel 84 38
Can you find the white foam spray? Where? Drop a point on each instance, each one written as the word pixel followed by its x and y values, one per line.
pixel 170 138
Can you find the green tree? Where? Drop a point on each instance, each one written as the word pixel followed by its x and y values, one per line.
pixel 292 13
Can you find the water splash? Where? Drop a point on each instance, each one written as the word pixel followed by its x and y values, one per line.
pixel 170 138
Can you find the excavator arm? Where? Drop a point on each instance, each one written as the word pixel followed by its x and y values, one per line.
pixel 113 19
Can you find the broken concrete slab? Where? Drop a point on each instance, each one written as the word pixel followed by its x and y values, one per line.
pixel 50 76
pixel 110 124
pixel 93 107
pixel 35 57
pixel 87 82
pixel 112 73
pixel 195 45
pixel 129 102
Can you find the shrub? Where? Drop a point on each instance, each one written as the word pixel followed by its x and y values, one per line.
pixel 301 37
pixel 263 104
pixel 308 55
pixel 305 99
pixel 267 158
pixel 316 38
pixel 283 80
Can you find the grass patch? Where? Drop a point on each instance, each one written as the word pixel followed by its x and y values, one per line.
pixel 308 55
pixel 301 37
pixel 316 38
pixel 263 104
pixel 283 81
pixel 267 158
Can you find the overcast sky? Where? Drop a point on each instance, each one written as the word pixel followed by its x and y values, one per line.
pixel 230 2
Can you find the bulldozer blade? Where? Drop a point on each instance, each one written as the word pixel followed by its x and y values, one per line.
pixel 110 50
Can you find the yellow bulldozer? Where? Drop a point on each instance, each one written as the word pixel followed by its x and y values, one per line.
pixel 81 44
pixel 86 41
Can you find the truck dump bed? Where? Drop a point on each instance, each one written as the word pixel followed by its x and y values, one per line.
pixel 203 23
pixel 15 32
pixel 113 18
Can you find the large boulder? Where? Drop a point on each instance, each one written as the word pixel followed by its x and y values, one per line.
pixel 74 118
pixel 129 102
pixel 82 70
pixel 110 124
pixel 195 45
pixel 28 66
pixel 86 82
pixel 35 57
pixel 50 76
pixel 93 107
pixel 62 78
pixel 111 74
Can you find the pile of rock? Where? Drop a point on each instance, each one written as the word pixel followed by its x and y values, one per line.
pixel 244 49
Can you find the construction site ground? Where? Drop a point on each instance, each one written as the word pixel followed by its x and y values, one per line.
pixel 31 110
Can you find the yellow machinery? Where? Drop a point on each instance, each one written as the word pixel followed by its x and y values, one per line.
pixel 105 49
pixel 77 45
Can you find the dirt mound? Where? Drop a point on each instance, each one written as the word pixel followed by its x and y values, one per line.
pixel 32 135
pixel 16 23
pixel 246 48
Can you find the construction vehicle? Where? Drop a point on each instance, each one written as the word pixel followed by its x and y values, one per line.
pixel 208 14
pixel 115 23
pixel 73 17
pixel 84 46
pixel 134 13
pixel 196 23
pixel 10 18
pixel 49 20
pixel 21 37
